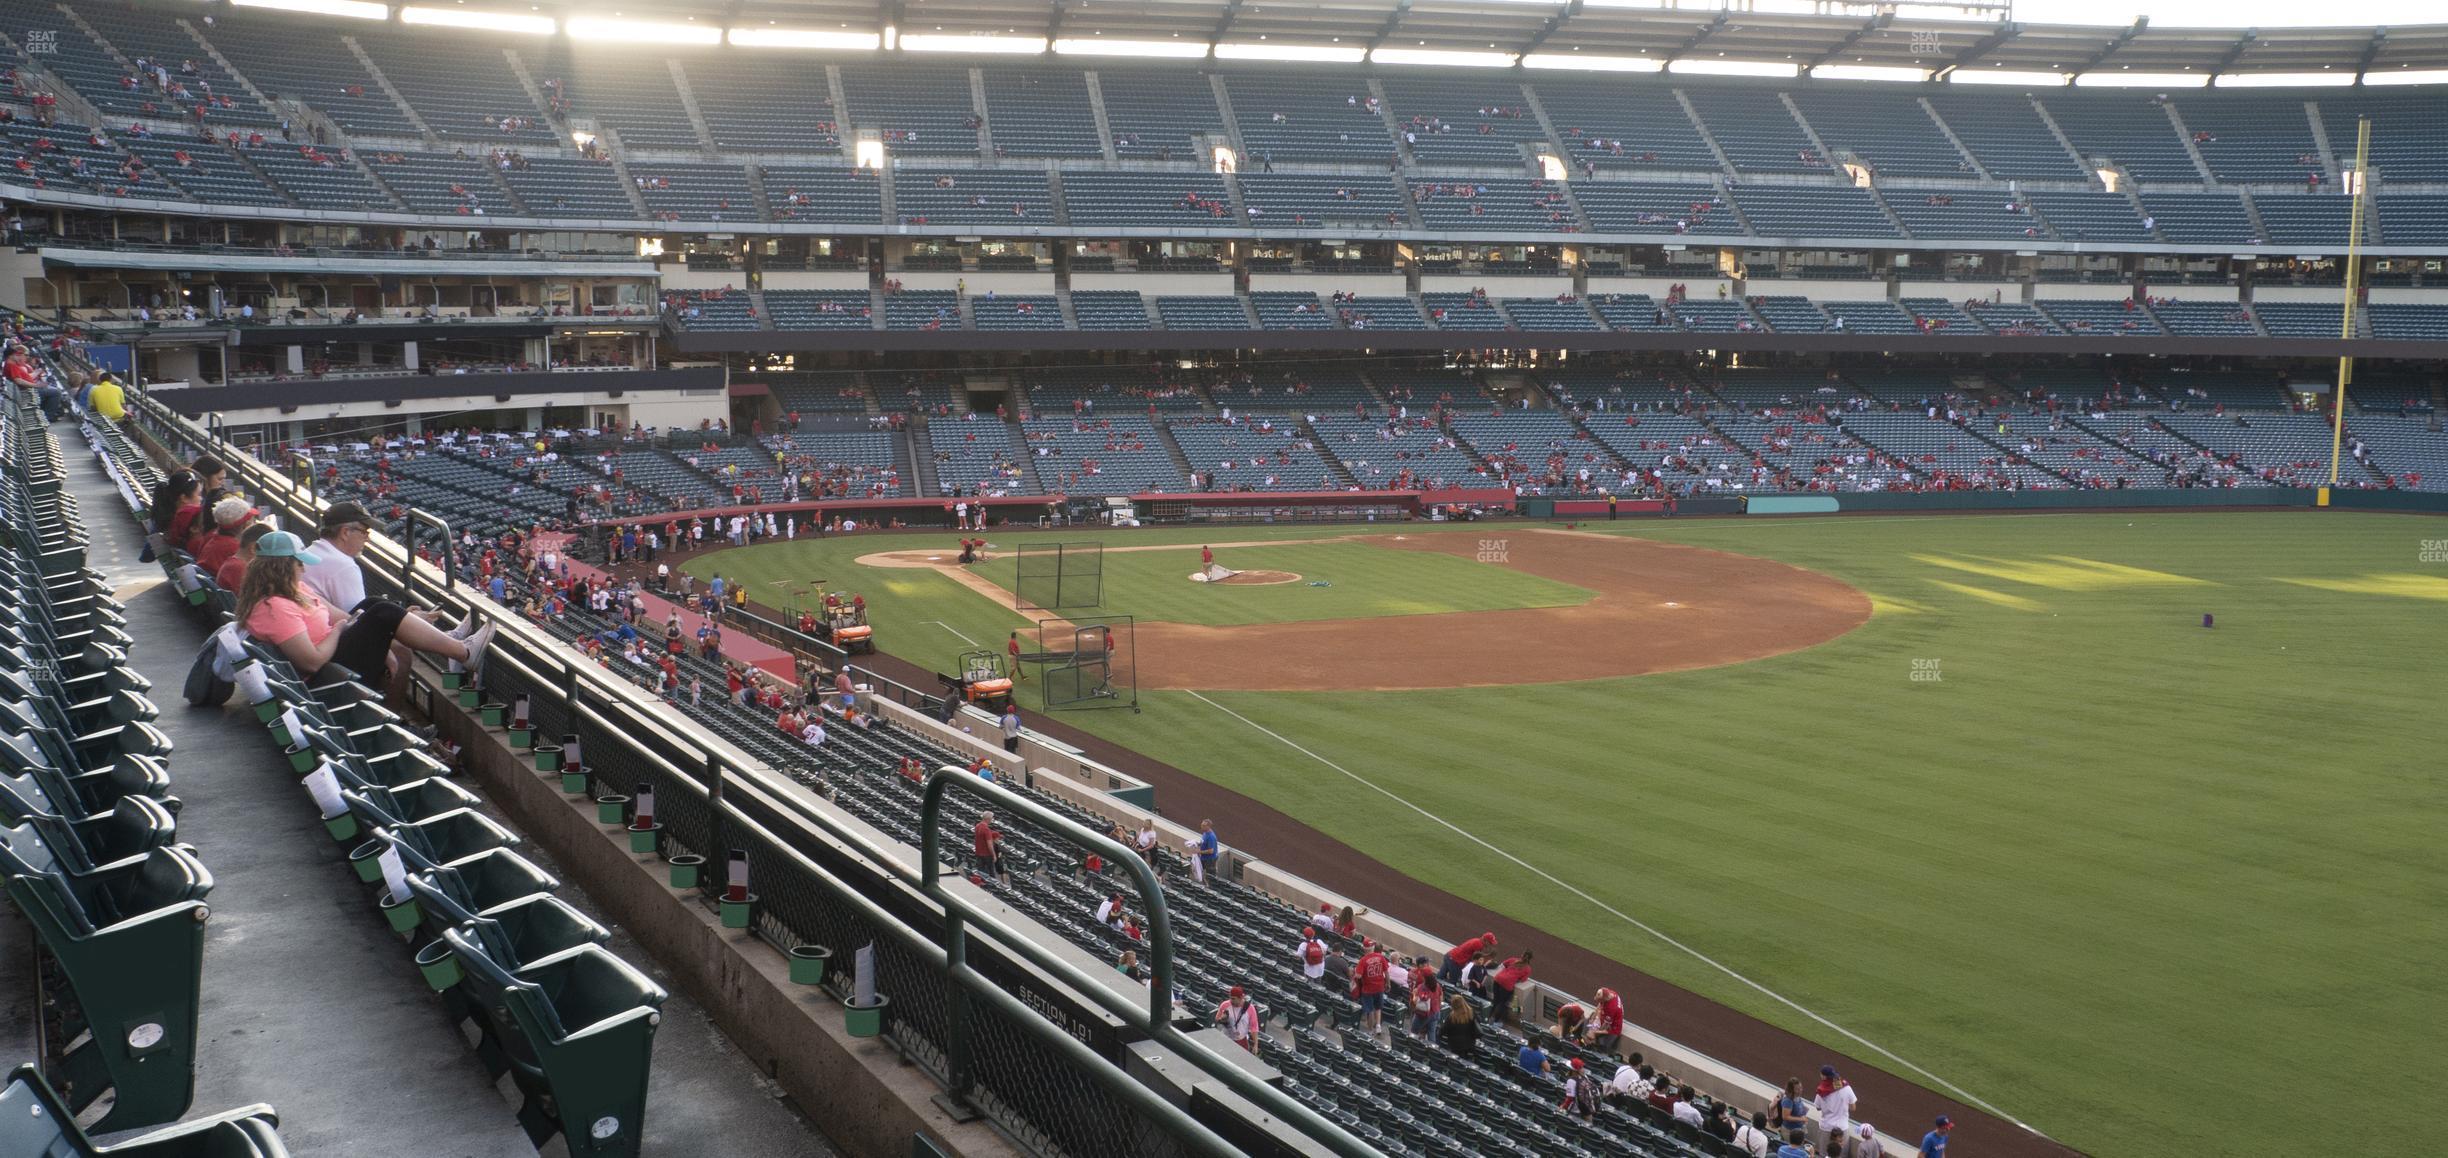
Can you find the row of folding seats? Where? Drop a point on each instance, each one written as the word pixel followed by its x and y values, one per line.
pixel 88 828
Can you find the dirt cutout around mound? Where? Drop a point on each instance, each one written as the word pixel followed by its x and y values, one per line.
pixel 1257 578
pixel 1660 607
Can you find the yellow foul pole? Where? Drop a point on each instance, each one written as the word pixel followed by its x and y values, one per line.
pixel 2354 279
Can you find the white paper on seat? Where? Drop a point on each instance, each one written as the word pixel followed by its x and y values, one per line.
pixel 324 785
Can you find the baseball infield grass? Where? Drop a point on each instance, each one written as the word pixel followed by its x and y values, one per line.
pixel 1361 581
pixel 2031 828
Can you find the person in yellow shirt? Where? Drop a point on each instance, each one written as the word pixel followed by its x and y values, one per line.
pixel 107 399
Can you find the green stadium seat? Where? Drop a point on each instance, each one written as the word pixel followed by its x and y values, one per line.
pixel 440 840
pixel 523 929
pixel 578 1029
pixel 134 826
pixel 35 1122
pixel 127 939
pixel 79 790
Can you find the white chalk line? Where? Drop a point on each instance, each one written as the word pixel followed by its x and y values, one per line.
pixel 954 630
pixel 1627 918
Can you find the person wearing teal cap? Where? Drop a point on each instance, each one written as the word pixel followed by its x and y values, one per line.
pixel 275 607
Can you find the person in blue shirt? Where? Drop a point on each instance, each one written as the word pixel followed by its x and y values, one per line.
pixel 1208 848
pixel 1793 1147
pixel 1933 1144
pixel 1534 1060
pixel 499 588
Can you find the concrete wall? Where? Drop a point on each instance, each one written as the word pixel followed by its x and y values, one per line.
pixel 1655 287
pixel 1374 285
pixel 660 409
pixel 1497 287
pixel 2058 291
pixel 1041 284
pixel 1156 284
pixel 1960 292
pixel 680 277
pixel 1833 291
pixel 834 279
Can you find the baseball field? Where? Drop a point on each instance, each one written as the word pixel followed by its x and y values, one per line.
pixel 1978 797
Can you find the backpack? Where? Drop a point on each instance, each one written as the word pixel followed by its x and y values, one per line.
pixel 1314 952
pixel 212 678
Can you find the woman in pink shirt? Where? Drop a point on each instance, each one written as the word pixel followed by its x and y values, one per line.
pixel 275 608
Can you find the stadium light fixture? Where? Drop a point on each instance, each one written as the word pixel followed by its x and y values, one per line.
pixel 486 21
pixel 1311 53
pixel 355 9
pixel 803 38
pixel 1876 72
pixel 642 31
pixel 2408 76
pixel 2006 76
pixel 2285 80
pixel 2143 80
pixel 1715 67
pixel 1442 58
pixel 1099 46
pixel 1580 62
pixel 1007 45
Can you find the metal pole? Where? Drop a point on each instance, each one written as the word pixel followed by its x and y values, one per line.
pixel 2354 279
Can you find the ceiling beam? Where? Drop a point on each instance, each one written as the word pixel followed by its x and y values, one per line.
pixel 1705 31
pixel 1852 38
pixel 2116 43
pixel 2371 52
pixel 1549 27
pixel 1980 48
pixel 1224 23
pixel 1393 21
pixel 2235 52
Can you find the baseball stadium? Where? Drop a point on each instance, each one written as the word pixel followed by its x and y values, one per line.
pixel 1407 578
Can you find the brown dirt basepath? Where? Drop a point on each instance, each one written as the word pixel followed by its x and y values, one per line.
pixel 1659 607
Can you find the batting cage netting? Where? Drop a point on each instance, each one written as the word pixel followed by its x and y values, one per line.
pixel 1054 576
pixel 1086 663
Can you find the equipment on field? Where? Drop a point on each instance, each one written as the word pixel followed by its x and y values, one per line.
pixel 1054 576
pixel 841 621
pixel 981 679
pixel 1213 573
pixel 1088 663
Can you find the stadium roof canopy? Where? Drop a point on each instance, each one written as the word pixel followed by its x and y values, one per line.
pixel 1951 41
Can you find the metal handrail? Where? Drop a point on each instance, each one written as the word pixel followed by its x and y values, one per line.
pixel 1156 1019
pixel 418 516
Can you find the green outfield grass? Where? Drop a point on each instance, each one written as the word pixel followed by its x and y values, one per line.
pixel 1362 581
pixel 2109 871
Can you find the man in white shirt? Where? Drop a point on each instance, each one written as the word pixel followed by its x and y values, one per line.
pixel 1684 1110
pixel 814 733
pixel 334 576
pixel 1834 1105
pixel 1311 953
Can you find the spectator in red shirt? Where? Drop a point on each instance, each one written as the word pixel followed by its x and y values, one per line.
pixel 230 518
pixel 987 848
pixel 1508 977
pixel 1461 955
pixel 1605 1031
pixel 1369 979
pixel 1427 997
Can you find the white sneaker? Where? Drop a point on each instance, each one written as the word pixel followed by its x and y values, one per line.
pixel 467 626
pixel 476 644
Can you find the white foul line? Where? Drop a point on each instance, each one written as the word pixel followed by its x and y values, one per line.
pixel 1627 918
pixel 948 627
